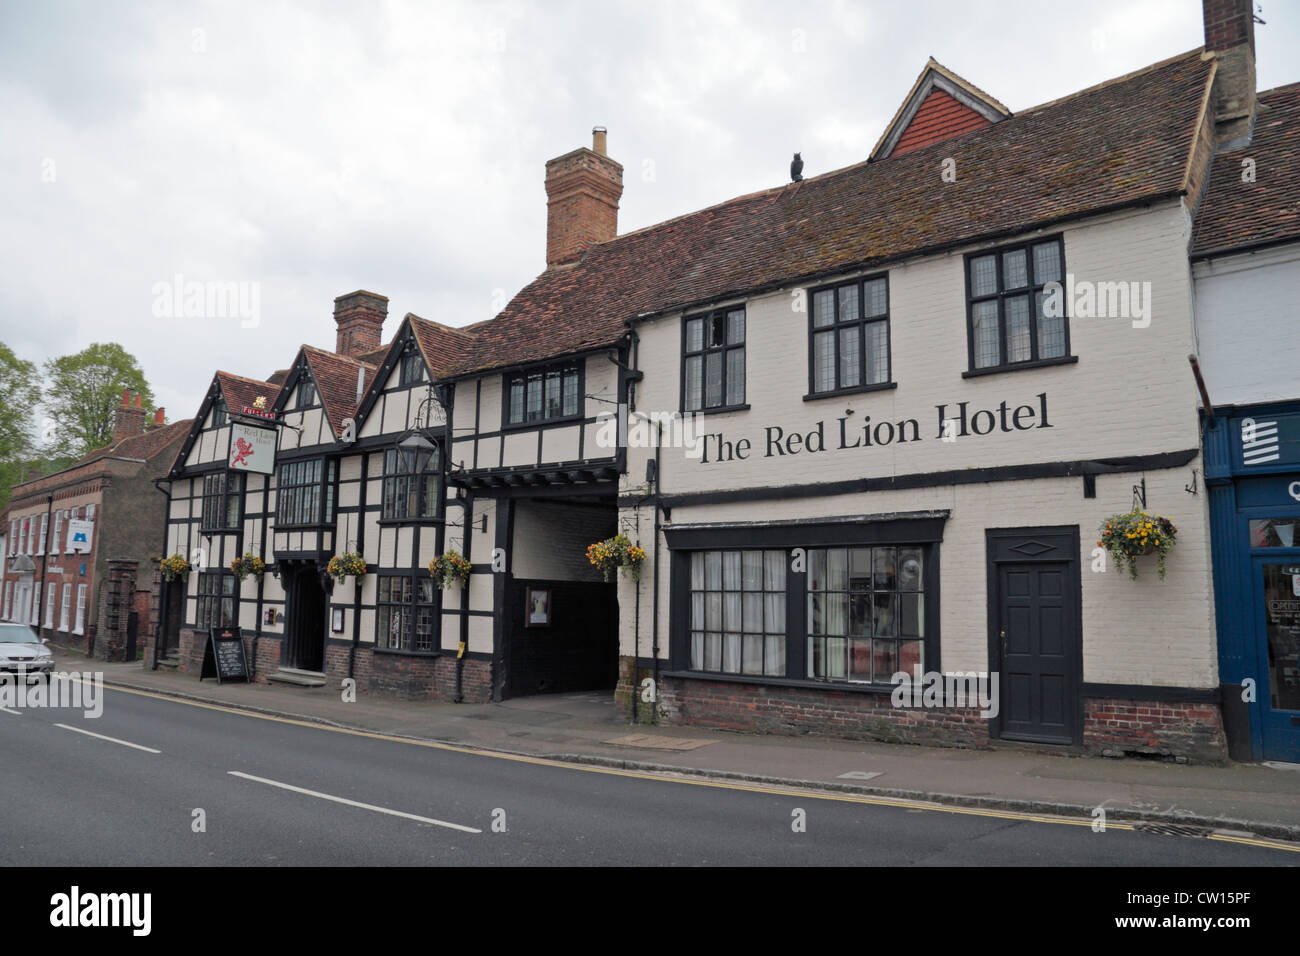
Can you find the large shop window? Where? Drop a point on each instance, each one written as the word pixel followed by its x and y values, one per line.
pixel 216 604
pixel 544 394
pixel 305 492
pixel 850 335
pixel 738 612
pixel 406 613
pixel 1011 320
pixel 866 613
pixel 854 613
pixel 713 360
pixel 222 493
pixel 408 494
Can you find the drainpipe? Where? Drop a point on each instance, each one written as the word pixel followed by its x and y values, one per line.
pixel 468 519
pixel 164 586
pixel 655 592
pixel 45 558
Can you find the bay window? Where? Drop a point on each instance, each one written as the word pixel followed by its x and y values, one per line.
pixel 305 492
pixel 409 494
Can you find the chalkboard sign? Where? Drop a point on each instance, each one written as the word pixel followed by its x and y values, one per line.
pixel 223 658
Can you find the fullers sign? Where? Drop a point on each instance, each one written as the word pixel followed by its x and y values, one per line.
pixel 251 449
pixel 953 421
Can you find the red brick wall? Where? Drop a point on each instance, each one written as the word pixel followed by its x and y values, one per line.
pixel 1228 23
pixel 1156 727
pixel 939 117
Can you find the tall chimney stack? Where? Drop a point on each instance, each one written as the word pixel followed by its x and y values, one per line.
pixel 360 318
pixel 1230 36
pixel 130 417
pixel 582 193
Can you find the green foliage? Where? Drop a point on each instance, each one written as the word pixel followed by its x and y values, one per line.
pixel 19 394
pixel 84 392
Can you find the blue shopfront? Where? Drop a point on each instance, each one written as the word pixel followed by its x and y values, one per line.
pixel 1252 462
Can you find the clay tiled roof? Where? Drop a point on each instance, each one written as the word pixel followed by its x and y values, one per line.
pixel 336 383
pixel 239 391
pixel 443 346
pixel 1124 142
pixel 1236 214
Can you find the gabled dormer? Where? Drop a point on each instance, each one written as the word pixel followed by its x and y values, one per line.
pixel 941 105
pixel 228 396
pixel 320 396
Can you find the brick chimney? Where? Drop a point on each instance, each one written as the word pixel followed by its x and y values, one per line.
pixel 159 417
pixel 1230 36
pixel 360 318
pixel 130 417
pixel 582 193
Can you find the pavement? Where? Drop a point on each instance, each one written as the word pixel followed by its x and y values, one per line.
pixel 587 728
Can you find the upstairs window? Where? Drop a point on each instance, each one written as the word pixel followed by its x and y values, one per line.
pixel 850 336
pixel 713 360
pixel 409 494
pixel 306 397
pixel 305 492
pixel 219 416
pixel 222 493
pixel 544 394
pixel 412 368
pixel 1007 323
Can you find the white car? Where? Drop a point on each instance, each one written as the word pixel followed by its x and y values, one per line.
pixel 22 652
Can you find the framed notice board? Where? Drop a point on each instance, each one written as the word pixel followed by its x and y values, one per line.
pixel 224 657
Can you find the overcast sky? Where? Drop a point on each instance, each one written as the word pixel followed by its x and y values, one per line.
pixel 317 148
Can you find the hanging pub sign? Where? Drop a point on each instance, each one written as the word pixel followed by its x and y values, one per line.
pixel 223 658
pixel 251 449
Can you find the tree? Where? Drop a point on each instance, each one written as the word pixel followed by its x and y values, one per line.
pixel 84 392
pixel 19 393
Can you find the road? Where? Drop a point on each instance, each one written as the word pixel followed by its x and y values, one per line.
pixel 274 792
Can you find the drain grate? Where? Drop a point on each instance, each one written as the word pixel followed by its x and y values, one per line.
pixel 1173 829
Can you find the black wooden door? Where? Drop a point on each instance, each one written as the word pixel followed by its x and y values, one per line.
pixel 306 639
pixel 1038 683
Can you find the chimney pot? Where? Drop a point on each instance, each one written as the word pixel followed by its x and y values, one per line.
pixel 138 399
pixel 159 416
pixel 583 188
pixel 126 398
pixel 360 319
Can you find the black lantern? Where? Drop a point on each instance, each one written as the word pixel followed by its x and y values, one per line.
pixel 416 451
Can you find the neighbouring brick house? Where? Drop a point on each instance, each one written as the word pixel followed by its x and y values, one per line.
pixel 894 403
pixel 80 541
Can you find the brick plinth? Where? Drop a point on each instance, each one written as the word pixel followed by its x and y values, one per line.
pixel 1166 728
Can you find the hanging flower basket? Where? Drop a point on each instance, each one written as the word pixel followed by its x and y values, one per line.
pixel 347 564
pixel 248 564
pixel 614 553
pixel 450 568
pixel 1137 534
pixel 174 567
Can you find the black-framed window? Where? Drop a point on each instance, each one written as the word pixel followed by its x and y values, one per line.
pixel 408 494
pixel 216 603
pixel 849 335
pixel 223 493
pixel 866 613
pixel 306 396
pixel 407 613
pixel 305 492
pixel 713 360
pixel 1007 322
pixel 544 393
pixel 738 613
pixel 411 370
pixel 219 413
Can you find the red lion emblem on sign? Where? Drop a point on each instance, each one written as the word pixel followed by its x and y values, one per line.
pixel 242 450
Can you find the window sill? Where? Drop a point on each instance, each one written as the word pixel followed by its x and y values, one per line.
pixel 401 652
pixel 802 683
pixel 543 423
pixel 718 410
pixel 404 522
pixel 1041 363
pixel 855 390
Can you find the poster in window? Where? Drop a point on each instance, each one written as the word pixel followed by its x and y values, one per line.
pixel 537 610
pixel 251 449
